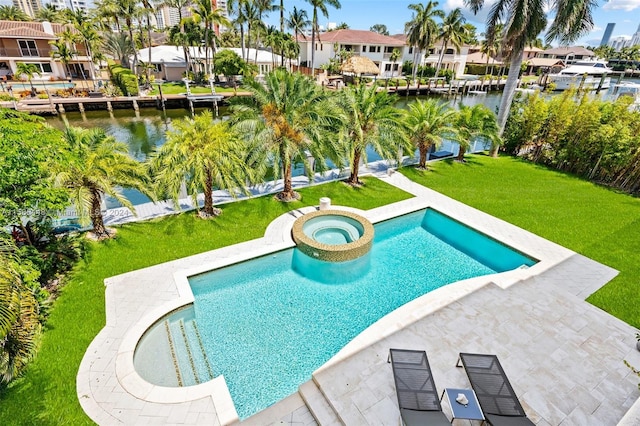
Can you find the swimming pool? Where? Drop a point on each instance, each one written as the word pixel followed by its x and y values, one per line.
pixel 268 323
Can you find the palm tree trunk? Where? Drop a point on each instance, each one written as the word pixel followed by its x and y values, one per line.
pixel 242 45
pixel 148 70
pixel 444 48
pixel 313 41
pixel 461 152
pixel 96 214
pixel 287 192
pixel 508 93
pixel 355 166
pixel 282 30
pixel 208 194
pixel 416 55
pixel 424 148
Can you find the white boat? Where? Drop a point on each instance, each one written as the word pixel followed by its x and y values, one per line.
pixel 589 75
pixel 631 89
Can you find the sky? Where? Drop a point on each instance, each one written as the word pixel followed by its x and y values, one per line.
pixel 362 14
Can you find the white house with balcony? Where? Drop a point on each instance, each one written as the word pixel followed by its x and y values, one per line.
pixel 377 47
pixel 451 60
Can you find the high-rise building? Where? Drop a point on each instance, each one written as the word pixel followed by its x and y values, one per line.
pixel 30 7
pixel 71 4
pixel 607 34
pixel 635 39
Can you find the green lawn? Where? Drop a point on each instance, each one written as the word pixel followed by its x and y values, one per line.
pixel 596 222
pixel 179 88
pixel 46 395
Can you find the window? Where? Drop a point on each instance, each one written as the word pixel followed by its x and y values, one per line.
pixel 157 67
pixel 411 50
pixel 388 49
pixel 28 48
pixel 45 67
pixel 387 67
pixel 378 49
pixel 372 49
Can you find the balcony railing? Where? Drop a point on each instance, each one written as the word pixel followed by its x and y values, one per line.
pixel 15 52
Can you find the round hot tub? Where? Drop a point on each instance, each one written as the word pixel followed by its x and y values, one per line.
pixel 333 235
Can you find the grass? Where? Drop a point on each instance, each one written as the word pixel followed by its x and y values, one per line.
pixel 596 222
pixel 46 395
pixel 180 88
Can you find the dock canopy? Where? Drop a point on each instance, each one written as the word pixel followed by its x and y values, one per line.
pixel 359 65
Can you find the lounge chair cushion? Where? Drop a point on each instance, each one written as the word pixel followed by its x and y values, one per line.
pixel 415 417
pixel 495 420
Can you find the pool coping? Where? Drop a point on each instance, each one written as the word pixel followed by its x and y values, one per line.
pixel 278 237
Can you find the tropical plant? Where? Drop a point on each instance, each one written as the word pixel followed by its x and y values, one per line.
pixel 229 64
pixel 370 118
pixel 421 30
pixel 472 123
pixel 380 29
pixel 19 314
pixel 119 46
pixel 322 6
pixel 12 13
pixel 395 55
pixel 62 52
pixel 288 118
pixel 204 13
pixel 428 123
pixel 180 38
pixel 203 154
pixel 471 36
pixel 28 70
pixel 491 46
pixel 452 30
pixel 51 13
pixel 98 165
pixel 298 22
pixel 524 20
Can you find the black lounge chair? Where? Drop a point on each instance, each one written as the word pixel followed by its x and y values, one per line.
pixel 417 395
pixel 497 399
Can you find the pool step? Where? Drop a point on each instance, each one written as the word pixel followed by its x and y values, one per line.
pixel 189 353
pixel 318 405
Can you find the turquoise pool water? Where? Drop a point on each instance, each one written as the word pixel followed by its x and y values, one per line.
pixel 267 324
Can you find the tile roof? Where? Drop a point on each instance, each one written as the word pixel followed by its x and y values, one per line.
pixel 565 50
pixel 356 37
pixel 18 29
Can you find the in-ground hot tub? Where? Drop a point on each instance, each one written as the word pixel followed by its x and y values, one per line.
pixel 333 235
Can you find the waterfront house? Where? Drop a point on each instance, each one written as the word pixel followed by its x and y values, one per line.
pixel 28 42
pixel 379 49
pixel 169 63
pixel 568 54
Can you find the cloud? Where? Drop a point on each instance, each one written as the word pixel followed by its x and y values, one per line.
pixel 626 5
pixel 479 19
pixel 596 29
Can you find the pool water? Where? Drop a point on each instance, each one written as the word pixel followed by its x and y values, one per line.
pixel 333 236
pixel 266 327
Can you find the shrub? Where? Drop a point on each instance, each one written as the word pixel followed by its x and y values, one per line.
pixel 124 79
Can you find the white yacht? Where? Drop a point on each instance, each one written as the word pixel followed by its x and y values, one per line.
pixel 631 89
pixel 586 74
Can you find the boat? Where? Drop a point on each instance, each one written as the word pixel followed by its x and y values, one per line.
pixel 588 75
pixel 631 89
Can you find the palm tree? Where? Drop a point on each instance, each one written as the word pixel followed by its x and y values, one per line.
pixel 98 165
pixel 429 122
pixel 380 29
pixel 421 29
pixel 452 31
pixel 395 55
pixel 524 20
pixel 204 154
pixel 50 13
pixel 106 12
pixel 491 46
pixel 119 46
pixel 181 39
pixel 203 12
pixel 19 311
pixel 288 117
pixel 12 13
pixel 475 122
pixel 298 22
pixel 28 70
pixel 322 6
pixel 87 35
pixel 63 53
pixel 370 118
pixel 263 7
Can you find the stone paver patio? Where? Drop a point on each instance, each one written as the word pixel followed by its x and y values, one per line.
pixel 562 355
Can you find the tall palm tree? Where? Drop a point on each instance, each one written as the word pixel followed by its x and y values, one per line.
pixel 98 165
pixel 88 35
pixel 203 12
pixel 287 118
pixel 119 46
pixel 106 13
pixel 322 6
pixel 12 13
pixel 19 310
pixel 370 118
pixel 28 70
pixel 524 20
pixel 428 122
pixel 421 30
pixel 298 21
pixel 50 13
pixel 263 7
pixel 204 154
pixel 179 5
pixel 129 11
pixel 451 31
pixel 395 55
pixel 475 122
pixel 380 29
pixel 491 46
pixel 63 53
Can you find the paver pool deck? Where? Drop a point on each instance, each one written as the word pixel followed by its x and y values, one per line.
pixel 564 357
